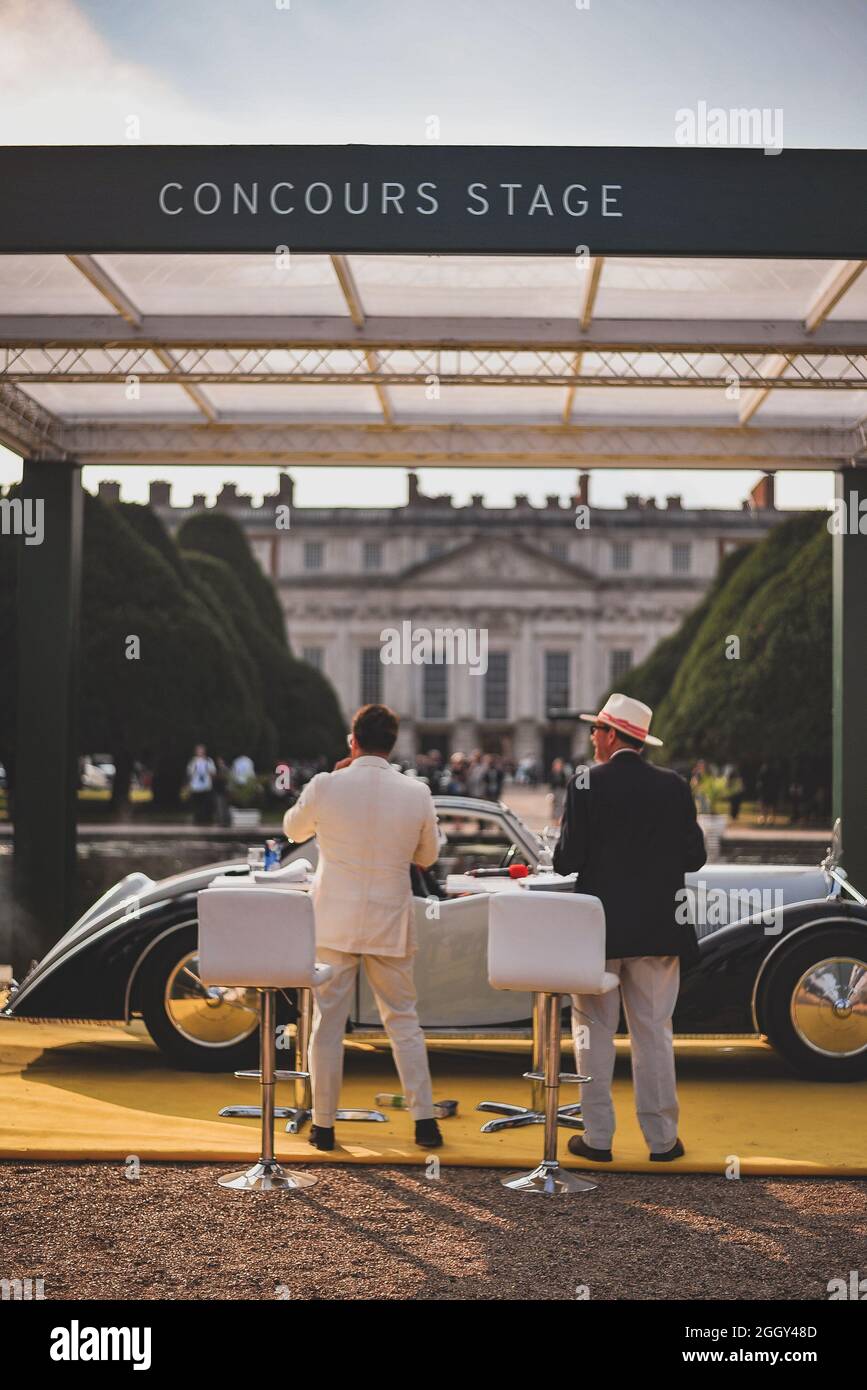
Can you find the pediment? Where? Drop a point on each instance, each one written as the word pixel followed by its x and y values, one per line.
pixel 495 564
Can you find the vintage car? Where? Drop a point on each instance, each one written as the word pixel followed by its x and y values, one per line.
pixel 782 953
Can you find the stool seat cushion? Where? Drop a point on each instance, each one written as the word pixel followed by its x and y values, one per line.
pixel 551 943
pixel 256 936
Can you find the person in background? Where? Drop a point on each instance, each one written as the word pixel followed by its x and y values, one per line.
pixel 221 792
pixel 734 790
pixel 243 768
pixel 371 825
pixel 558 781
pixel 200 778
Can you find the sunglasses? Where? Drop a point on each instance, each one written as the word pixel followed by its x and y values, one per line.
pixel 600 728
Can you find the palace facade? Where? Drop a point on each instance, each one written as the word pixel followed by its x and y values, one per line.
pixel 569 597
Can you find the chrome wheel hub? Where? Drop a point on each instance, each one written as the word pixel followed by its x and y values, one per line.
pixel 209 1016
pixel 829 1006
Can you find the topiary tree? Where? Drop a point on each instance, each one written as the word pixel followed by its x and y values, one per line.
pixel 698 705
pixel 214 533
pixel 187 683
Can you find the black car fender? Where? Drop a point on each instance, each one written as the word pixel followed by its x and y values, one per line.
pixel 813 915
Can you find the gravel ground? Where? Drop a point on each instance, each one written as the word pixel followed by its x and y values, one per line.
pixel 366 1232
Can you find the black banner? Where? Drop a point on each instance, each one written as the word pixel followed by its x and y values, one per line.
pixel 683 201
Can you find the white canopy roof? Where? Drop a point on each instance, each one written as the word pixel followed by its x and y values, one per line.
pixel 434 359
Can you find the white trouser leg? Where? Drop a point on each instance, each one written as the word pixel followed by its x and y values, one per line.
pixel 649 985
pixel 594 1024
pixel 394 989
pixel 331 1002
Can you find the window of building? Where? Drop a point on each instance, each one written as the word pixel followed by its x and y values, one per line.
pixel 435 691
pixel 621 555
pixel 314 656
pixel 435 549
pixel 556 680
pixel 560 550
pixel 681 557
pixel 314 555
pixel 371 676
pixel 621 663
pixel 497 686
pixel 372 555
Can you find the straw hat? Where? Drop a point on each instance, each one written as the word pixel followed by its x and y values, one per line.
pixel 627 716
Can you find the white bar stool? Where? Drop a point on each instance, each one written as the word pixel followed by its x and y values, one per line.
pixel 260 938
pixel 550 944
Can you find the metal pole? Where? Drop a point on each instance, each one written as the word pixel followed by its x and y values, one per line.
pixel 552 1073
pixel 303 1027
pixel 537 1088
pixel 46 765
pixel 850 673
pixel 266 1055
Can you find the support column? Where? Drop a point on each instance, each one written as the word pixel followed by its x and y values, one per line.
pixel 49 603
pixel 850 674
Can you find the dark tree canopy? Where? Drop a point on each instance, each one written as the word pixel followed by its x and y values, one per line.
pixel 216 534
pixel 710 700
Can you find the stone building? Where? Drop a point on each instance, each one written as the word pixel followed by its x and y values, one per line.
pixel 569 596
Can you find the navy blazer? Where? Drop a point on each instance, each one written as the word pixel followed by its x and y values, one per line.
pixel 631 835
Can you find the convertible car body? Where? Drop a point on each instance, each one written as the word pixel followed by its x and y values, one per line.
pixel 782 952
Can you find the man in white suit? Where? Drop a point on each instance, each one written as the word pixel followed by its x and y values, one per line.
pixel 371 823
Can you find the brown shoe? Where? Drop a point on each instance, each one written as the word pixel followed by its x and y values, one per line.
pixel 578 1147
pixel 676 1151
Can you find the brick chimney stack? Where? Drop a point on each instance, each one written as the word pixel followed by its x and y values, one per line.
pixel 582 496
pixel 763 496
pixel 286 489
pixel 109 492
pixel 160 494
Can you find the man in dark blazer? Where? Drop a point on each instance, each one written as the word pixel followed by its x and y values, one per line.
pixel 629 830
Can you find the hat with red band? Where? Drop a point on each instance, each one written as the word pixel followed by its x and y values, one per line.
pixel 626 716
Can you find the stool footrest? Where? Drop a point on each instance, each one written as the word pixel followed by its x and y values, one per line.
pixel 571 1076
pixel 278 1075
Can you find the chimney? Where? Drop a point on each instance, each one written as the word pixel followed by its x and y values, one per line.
pixel 582 496
pixel 198 503
pixel 650 504
pixel 552 502
pixel 286 489
pixel 160 494
pixel 674 504
pixel 762 498
pixel 522 502
pixel 109 492
pixel 412 495
pixel 633 501
pixel 477 499
pixel 227 496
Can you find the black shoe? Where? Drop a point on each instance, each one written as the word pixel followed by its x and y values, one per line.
pixel 578 1147
pixel 676 1151
pixel 321 1138
pixel 427 1134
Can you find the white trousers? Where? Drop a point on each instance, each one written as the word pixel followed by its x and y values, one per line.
pixel 649 986
pixel 390 978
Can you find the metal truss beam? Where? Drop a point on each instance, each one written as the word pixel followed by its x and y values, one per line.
pixel 28 428
pixel 197 367
pixel 278 331
pixel 461 445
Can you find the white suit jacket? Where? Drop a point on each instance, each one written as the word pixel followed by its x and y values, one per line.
pixel 370 824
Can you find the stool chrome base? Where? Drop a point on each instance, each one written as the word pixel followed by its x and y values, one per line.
pixel 266 1176
pixel 548 1180
pixel 516 1116
pixel 252 1112
pixel 299 1118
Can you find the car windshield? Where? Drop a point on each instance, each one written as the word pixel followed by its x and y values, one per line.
pixel 475 841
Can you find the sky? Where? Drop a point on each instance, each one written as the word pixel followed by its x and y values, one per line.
pixel 584 72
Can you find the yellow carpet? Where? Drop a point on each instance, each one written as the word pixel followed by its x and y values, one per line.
pixel 80 1091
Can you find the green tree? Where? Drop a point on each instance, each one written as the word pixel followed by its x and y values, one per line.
pixel 214 533
pixel 698 712
pixel 186 683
